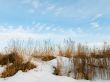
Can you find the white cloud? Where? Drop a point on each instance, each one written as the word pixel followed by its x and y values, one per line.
pixel 95 25
pixel 79 9
pixel 51 7
pixel 58 11
pixel 41 6
pixel 94 22
pixel 35 4
pixel 54 29
pixel 55 33
pixel 47 28
pixel 79 30
pixel 32 5
pixel 39 32
pixel 96 17
pixel 76 32
pixel 38 27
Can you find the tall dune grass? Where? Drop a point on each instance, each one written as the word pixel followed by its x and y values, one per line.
pixel 87 63
pixel 14 60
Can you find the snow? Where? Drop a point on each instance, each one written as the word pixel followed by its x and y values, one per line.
pixel 1 69
pixel 43 73
pixel 35 76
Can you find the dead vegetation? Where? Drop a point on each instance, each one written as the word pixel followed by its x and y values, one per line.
pixel 87 63
pixel 93 64
pixel 13 57
pixel 45 57
pixel 45 53
pixel 14 68
pixel 14 61
pixel 57 68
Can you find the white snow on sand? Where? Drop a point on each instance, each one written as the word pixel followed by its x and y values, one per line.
pixel 43 73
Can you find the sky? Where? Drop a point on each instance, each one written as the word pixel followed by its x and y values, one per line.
pixel 80 20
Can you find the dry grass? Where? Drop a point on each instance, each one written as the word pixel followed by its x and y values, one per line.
pixel 45 57
pixel 14 61
pixel 14 68
pixel 67 52
pixel 57 69
pixel 87 63
pixel 13 57
pixel 93 64
pixel 45 54
pixel 9 71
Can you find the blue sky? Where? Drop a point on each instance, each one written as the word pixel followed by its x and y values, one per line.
pixel 81 20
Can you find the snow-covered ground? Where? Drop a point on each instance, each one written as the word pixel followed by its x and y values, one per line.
pixel 43 73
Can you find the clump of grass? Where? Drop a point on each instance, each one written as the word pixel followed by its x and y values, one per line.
pixel 47 58
pixel 14 61
pixel 3 60
pixel 45 54
pixel 93 64
pixel 27 66
pixel 67 52
pixel 14 68
pixel 57 69
pixel 9 71
pixel 13 57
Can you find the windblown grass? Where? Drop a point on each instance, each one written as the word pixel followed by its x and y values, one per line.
pixel 87 63
pixel 14 68
pixel 93 64
pixel 44 53
pixel 14 60
pixel 13 57
pixel 57 69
